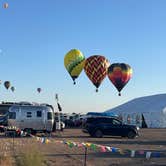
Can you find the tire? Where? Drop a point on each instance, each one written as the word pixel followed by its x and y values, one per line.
pixel 131 134
pixel 98 133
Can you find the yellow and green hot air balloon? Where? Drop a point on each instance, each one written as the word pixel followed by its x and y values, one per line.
pixel 74 63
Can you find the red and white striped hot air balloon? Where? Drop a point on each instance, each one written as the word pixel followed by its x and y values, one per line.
pixel 96 67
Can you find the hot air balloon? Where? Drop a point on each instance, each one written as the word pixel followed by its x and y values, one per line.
pixel 39 90
pixel 7 84
pixel 5 5
pixel 96 67
pixel 12 88
pixel 119 74
pixel 74 63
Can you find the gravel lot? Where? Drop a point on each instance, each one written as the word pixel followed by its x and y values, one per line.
pixel 153 140
pixel 60 154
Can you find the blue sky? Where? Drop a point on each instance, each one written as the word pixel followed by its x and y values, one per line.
pixel 36 35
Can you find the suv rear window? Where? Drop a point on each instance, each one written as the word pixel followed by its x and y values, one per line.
pixel 89 120
pixel 116 122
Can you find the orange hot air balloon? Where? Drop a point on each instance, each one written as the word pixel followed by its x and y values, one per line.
pixel 39 90
pixel 7 84
pixel 96 67
pixel 5 5
pixel 119 74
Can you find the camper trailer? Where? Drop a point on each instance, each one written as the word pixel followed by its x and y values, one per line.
pixel 31 118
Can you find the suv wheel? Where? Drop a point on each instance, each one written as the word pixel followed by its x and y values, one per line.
pixel 131 134
pixel 98 133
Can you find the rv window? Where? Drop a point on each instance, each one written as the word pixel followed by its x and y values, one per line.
pixel 39 114
pixel 12 115
pixel 49 115
pixel 29 114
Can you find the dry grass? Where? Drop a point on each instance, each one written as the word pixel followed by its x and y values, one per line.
pixel 6 161
pixel 29 151
pixel 29 157
pixel 22 152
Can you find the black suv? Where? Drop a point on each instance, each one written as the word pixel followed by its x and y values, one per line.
pixel 99 126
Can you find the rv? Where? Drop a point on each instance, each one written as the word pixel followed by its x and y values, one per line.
pixel 31 118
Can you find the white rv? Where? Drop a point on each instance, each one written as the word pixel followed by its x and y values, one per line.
pixel 31 118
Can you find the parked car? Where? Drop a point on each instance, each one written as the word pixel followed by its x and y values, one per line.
pixel 69 123
pixel 100 126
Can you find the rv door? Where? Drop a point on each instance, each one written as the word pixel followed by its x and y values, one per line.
pixel 20 118
pixel 13 119
pixel 44 117
pixel 50 121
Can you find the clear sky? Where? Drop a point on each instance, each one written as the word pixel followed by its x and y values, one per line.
pixel 35 35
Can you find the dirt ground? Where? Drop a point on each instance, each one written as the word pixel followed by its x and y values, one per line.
pixel 60 154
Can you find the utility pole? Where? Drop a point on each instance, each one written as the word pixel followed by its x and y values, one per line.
pixel 59 109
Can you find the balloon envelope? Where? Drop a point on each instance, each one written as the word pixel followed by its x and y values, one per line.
pixel 13 88
pixel 96 67
pixel 5 5
pixel 39 90
pixel 74 63
pixel 119 74
pixel 7 84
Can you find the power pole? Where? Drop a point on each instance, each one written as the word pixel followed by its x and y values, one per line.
pixel 59 109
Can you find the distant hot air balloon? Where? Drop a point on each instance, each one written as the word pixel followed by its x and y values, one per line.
pixel 7 84
pixel 119 74
pixel 5 5
pixel 39 90
pixel 74 63
pixel 96 67
pixel 12 88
